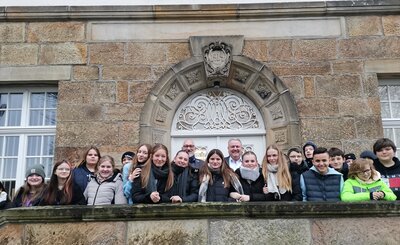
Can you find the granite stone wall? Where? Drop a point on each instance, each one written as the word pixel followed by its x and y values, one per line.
pixel 206 223
pixel 107 60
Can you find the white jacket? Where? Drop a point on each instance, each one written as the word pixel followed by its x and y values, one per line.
pixel 108 192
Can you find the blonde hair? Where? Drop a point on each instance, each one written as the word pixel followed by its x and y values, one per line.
pixel 251 153
pixel 104 159
pixel 145 175
pixel 283 174
pixel 357 167
pixel 135 161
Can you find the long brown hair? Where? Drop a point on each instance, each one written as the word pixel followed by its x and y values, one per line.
pixel 51 192
pixel 283 174
pixel 83 162
pixel 26 188
pixel 226 171
pixel 135 160
pixel 145 175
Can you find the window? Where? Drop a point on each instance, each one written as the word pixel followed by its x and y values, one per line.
pixel 389 92
pixel 212 116
pixel 27 132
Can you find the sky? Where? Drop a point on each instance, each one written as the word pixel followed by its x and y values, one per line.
pixel 135 2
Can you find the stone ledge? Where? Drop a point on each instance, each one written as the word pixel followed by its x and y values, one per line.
pixel 35 73
pixel 270 210
pixel 382 66
pixel 205 11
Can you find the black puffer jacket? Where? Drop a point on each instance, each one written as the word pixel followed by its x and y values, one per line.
pixel 17 202
pixel 299 169
pixel 140 194
pixel 216 192
pixel 253 188
pixel 186 181
pixel 295 195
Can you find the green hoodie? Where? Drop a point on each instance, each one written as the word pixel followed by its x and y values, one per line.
pixel 355 190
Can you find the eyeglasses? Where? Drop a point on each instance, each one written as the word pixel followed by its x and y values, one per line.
pixel 365 171
pixel 64 169
pixel 188 146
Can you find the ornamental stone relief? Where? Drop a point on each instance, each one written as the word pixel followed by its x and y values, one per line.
pixel 193 77
pixel 276 111
pixel 248 147
pixel 161 114
pixel 280 136
pixel 158 136
pixel 201 152
pixel 173 91
pixel 217 110
pixel 241 75
pixel 263 91
pixel 217 60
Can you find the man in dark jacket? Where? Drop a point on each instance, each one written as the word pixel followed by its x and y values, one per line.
pixel 235 149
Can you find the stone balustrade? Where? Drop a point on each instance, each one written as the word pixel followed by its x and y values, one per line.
pixel 205 223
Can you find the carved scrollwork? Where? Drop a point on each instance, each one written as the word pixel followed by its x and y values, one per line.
pixel 217 110
pixel 217 59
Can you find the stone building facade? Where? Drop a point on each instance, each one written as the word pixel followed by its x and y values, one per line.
pixel 312 70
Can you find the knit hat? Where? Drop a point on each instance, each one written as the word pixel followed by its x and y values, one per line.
pixel 36 169
pixel 350 156
pixel 368 154
pixel 128 155
pixel 307 144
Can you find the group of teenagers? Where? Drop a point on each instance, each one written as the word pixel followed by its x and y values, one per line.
pixel 148 176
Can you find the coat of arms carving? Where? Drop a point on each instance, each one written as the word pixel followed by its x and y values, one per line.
pixel 217 59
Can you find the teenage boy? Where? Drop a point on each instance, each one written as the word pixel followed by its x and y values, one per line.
pixel 338 162
pixel 321 183
pixel 297 164
pixel 126 158
pixel 349 158
pixel 387 164
pixel 308 149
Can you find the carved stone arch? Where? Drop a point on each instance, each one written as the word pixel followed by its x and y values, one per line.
pixel 245 75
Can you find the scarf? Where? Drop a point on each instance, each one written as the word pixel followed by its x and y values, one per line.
pixel 155 175
pixel 177 169
pixel 249 174
pixel 206 179
pixel 101 179
pixel 203 188
pixel 236 184
pixel 182 177
pixel 272 181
